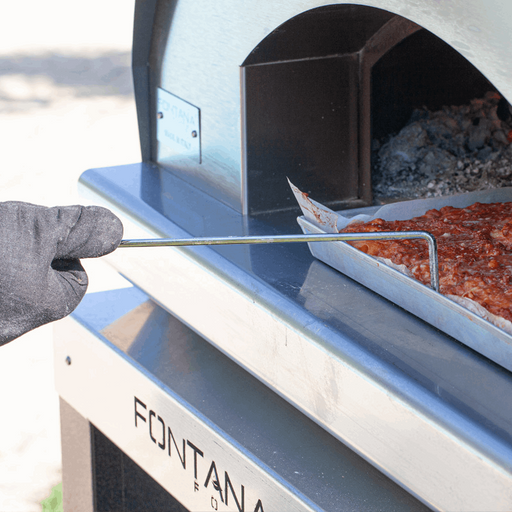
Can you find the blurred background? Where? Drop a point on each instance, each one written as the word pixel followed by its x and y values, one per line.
pixel 66 105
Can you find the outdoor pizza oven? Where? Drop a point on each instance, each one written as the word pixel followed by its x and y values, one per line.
pixel 257 377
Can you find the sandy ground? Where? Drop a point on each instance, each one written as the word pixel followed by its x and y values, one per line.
pixel 66 105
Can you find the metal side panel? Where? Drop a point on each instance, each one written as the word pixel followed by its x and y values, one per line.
pixel 204 429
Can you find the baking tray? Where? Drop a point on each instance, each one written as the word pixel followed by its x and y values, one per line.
pixel 408 293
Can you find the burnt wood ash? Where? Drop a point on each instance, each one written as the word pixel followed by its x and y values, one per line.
pixel 450 151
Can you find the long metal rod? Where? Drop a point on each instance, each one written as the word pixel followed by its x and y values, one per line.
pixel 318 237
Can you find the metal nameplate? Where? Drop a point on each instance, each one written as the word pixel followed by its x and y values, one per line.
pixel 178 126
pixel 178 447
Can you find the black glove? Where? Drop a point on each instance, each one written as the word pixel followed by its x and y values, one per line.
pixel 41 278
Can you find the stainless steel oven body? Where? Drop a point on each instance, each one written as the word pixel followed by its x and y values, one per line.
pixel 258 378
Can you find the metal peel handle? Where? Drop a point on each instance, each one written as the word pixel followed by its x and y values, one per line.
pixel 320 237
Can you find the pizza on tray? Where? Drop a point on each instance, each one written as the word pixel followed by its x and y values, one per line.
pixel 474 253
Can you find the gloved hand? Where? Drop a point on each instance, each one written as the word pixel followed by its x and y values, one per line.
pixel 41 278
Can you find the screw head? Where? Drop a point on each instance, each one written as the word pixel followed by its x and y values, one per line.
pixel 160 115
pixel 68 360
pixel 194 134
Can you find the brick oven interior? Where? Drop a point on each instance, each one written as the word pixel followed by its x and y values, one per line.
pixel 439 127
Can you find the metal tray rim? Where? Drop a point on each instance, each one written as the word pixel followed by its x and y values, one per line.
pixel 411 295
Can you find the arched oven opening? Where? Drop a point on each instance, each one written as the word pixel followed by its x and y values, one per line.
pixel 326 97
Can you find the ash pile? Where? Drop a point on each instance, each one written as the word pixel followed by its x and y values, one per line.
pixel 453 150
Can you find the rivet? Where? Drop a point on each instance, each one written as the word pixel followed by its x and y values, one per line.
pixel 160 115
pixel 194 134
pixel 68 360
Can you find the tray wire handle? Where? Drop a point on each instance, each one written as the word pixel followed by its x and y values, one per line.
pixel 316 237
pixel 410 235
